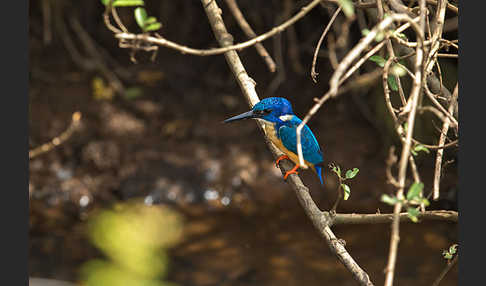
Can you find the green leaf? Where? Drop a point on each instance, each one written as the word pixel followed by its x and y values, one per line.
pixel 453 249
pixel 425 202
pixel 140 17
pixel 392 82
pixel 420 147
pixel 335 169
pixel 447 255
pixel 413 213
pixel 402 35
pixel 347 7
pixel 123 3
pixel 378 60
pixel 415 190
pixel 347 191
pixel 150 20
pixel 352 173
pixel 398 70
pixel 365 32
pixel 153 27
pixel 379 36
pixel 389 200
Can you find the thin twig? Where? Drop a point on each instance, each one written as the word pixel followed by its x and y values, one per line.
pixel 99 62
pixel 446 270
pixel 240 19
pixel 436 147
pixel 314 59
pixel 56 141
pixel 437 34
pixel 440 152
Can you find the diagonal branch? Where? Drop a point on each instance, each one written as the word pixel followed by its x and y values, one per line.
pixel 319 219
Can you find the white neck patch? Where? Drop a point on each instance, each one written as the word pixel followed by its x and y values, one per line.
pixel 286 117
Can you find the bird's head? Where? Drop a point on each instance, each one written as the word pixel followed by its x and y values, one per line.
pixel 269 109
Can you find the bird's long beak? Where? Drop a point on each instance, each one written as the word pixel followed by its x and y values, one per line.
pixel 246 115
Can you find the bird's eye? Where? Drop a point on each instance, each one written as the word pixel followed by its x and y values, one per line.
pixel 267 111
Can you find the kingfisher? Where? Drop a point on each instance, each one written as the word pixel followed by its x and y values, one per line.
pixel 280 124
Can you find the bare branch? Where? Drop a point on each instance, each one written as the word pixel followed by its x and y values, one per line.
pixel 56 141
pixel 440 152
pixel 451 216
pixel 240 19
pixel 314 59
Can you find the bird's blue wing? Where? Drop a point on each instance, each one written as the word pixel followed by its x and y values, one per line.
pixel 310 147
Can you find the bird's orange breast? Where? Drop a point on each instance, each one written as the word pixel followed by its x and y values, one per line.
pixel 272 135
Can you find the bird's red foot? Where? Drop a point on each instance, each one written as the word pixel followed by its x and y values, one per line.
pixel 280 159
pixel 293 171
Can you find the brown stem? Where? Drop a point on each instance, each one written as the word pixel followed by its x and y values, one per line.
pixel 451 216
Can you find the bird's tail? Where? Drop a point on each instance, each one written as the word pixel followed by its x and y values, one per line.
pixel 318 168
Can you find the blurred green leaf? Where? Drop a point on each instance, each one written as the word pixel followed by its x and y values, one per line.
pixel 347 191
pixel 347 7
pixel 413 213
pixel 392 82
pixel 99 272
pixel 140 17
pixel 365 32
pixel 150 20
pixel 449 253
pixel 379 36
pixel 425 202
pixel 153 27
pixel 335 169
pixel 398 70
pixel 420 147
pixel 380 61
pixel 134 237
pixel 401 35
pixel 389 200
pixel 415 190
pixel 133 92
pixel 123 3
pixel 352 173
pixel 453 249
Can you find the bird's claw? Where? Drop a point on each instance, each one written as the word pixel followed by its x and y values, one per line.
pixel 293 171
pixel 280 159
